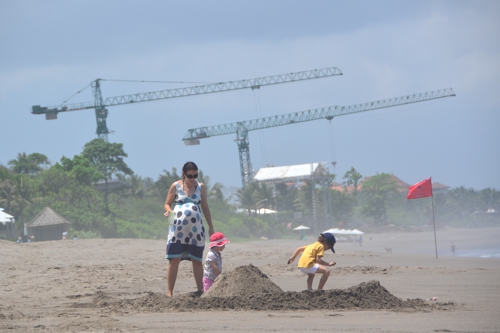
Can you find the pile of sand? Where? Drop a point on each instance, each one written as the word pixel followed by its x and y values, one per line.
pixel 243 281
pixel 247 288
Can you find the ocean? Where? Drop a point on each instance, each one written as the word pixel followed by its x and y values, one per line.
pixel 479 253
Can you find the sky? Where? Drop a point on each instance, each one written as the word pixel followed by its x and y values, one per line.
pixel 385 49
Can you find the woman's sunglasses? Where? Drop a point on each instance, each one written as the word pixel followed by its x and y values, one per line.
pixel 192 176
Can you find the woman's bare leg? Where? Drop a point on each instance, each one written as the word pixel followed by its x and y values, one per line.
pixel 173 267
pixel 198 274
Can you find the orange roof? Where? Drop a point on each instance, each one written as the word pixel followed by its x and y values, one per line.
pixel 439 186
pixel 340 188
pixel 398 181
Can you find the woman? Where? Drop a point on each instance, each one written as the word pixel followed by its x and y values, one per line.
pixel 186 237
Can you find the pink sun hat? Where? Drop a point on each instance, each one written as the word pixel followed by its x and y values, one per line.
pixel 218 239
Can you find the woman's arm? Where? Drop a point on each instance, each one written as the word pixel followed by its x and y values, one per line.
pixel 170 199
pixel 206 209
pixel 296 253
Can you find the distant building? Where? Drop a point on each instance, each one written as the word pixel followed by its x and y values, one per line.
pixel 438 187
pixel 293 173
pixel 402 186
pixel 341 188
pixel 47 225
pixel 113 184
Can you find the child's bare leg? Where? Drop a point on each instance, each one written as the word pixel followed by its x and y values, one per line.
pixel 310 278
pixel 326 273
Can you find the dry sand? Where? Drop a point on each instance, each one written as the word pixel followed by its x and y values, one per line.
pixel 118 285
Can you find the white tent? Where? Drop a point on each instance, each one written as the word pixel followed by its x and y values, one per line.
pixel 332 231
pixel 301 227
pixel 265 211
pixel 5 218
pixel 259 211
pixel 344 231
pixel 357 232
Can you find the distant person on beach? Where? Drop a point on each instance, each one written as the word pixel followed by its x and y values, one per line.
pixel 452 248
pixel 213 262
pixel 360 240
pixel 311 261
pixel 186 236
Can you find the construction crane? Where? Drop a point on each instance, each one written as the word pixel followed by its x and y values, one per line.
pixel 100 105
pixel 241 128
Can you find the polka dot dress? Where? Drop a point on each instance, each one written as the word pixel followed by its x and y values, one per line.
pixel 186 236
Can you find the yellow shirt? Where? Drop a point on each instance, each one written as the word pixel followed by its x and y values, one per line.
pixel 308 257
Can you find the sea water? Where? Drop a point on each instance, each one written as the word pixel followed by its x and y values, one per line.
pixel 479 253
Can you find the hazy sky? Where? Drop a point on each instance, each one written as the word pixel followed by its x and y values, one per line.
pixel 52 49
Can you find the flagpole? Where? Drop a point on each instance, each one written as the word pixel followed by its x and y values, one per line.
pixel 423 189
pixel 434 222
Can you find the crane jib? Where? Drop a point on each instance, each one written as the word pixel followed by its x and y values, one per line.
pixel 100 104
pixel 328 112
pixel 241 128
pixel 195 90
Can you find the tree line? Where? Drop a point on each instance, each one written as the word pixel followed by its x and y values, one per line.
pixel 375 200
pixel 79 189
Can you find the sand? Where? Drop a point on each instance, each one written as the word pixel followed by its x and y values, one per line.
pixel 119 285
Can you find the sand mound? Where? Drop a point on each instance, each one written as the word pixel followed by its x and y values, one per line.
pixel 365 296
pixel 247 288
pixel 242 281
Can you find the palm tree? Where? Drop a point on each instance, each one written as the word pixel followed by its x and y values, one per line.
pixel 264 196
pixel 489 198
pixel 285 196
pixel 463 201
pixel 8 193
pixel 162 185
pixel 137 190
pixel 149 186
pixel 377 191
pixel 215 192
pixel 303 201
pixel 23 198
pixel 246 197
pixel 352 178
pixel 28 164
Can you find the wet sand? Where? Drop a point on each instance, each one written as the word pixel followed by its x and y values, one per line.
pixel 118 285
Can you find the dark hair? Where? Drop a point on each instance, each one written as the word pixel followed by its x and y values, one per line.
pixel 188 167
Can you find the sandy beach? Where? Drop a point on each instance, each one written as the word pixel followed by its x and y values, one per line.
pixel 119 285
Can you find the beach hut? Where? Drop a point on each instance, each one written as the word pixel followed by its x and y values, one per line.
pixel 47 225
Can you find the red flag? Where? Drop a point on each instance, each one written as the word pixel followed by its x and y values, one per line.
pixel 420 190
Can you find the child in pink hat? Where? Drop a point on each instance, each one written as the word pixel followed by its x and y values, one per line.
pixel 213 263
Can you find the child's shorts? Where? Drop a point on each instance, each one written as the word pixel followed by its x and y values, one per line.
pixel 207 283
pixel 310 270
